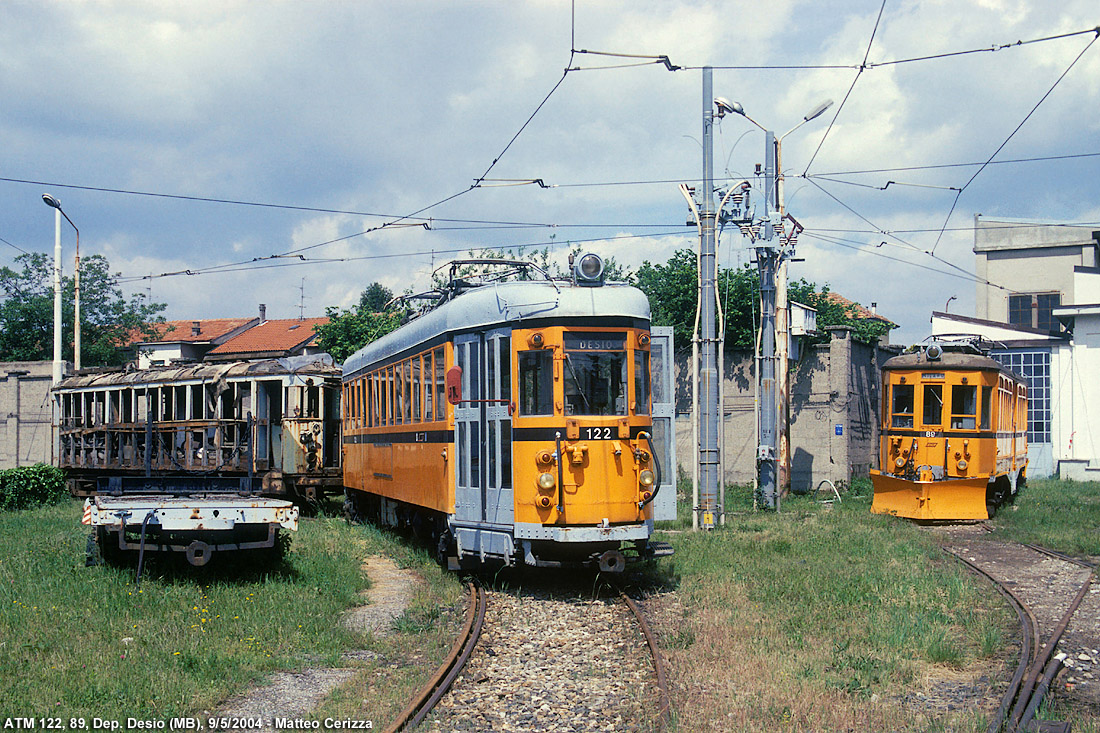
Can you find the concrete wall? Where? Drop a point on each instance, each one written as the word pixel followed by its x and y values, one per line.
pixel 25 433
pixel 834 408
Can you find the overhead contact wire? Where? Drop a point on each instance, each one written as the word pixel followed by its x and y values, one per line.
pixel 1013 133
pixel 848 94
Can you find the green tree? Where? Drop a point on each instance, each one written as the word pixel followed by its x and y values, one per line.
pixel 349 330
pixel 375 298
pixel 672 289
pixel 108 320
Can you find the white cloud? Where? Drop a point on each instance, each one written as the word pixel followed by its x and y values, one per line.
pixel 385 108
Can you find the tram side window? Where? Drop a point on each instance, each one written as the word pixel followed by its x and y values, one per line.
pixel 901 407
pixel 429 387
pixel 987 408
pixel 641 382
pixel 964 406
pixel 440 402
pixel 933 404
pixel 536 382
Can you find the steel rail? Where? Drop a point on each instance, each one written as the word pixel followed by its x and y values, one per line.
pixel 1028 692
pixel 432 692
pixel 1061 556
pixel 1029 631
pixel 1031 695
pixel 663 704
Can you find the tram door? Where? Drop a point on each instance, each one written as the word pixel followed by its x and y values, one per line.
pixel 483 431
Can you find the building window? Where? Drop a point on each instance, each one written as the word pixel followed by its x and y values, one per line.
pixel 1034 310
pixel 1034 367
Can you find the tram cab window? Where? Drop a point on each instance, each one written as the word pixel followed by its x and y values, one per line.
pixel 901 406
pixel 595 373
pixel 536 382
pixel 964 406
pixel 933 404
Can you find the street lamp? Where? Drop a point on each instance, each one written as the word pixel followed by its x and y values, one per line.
pixel 56 206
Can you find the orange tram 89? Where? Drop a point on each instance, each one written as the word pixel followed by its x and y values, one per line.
pixel 513 422
pixel 954 434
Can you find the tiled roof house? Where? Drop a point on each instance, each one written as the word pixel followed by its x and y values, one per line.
pixel 270 339
pixel 188 340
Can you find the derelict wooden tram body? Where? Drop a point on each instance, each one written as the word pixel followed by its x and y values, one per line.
pixel 954 435
pixel 267 427
pixel 514 423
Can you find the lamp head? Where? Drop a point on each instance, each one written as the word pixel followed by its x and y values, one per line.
pixel 725 107
pixel 51 201
pixel 818 110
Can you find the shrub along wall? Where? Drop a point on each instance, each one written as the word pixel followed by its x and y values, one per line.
pixel 29 486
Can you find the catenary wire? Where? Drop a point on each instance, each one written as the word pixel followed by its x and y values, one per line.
pixel 1012 134
pixel 847 94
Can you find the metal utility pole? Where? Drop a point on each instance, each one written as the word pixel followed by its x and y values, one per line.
pixel 773 454
pixel 708 491
pixel 767 262
pixel 57 296
pixel 707 382
pixel 54 204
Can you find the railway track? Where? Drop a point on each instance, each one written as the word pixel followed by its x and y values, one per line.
pixel 1047 590
pixel 546 660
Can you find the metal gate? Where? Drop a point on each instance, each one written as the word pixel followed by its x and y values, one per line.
pixel 661 363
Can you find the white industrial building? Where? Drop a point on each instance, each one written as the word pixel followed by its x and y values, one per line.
pixel 1039 301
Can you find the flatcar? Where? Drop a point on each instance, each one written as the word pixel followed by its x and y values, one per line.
pixel 269 427
pixel 512 422
pixel 954 434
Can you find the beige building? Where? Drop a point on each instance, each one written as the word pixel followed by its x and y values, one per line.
pixel 26 435
pixel 1025 269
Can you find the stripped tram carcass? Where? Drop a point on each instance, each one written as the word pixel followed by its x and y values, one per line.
pixel 523 422
pixel 199 457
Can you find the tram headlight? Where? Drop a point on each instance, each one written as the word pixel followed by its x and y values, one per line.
pixel 546 481
pixel 646 478
pixel 899 461
pixel 962 464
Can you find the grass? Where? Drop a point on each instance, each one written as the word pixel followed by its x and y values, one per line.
pixel 820 618
pixel 77 641
pixel 1058 515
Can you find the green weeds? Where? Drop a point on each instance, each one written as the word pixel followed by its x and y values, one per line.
pixel 79 641
pixel 1059 515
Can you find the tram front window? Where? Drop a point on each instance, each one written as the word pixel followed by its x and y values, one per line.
pixel 902 406
pixel 964 407
pixel 595 374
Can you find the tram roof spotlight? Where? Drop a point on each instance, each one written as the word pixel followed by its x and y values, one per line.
pixel 589 269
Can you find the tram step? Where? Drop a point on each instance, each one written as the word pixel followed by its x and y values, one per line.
pixel 660 549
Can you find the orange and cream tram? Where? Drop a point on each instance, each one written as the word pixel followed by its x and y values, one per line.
pixel 513 422
pixel 954 434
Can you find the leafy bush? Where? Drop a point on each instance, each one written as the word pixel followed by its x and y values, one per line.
pixel 29 486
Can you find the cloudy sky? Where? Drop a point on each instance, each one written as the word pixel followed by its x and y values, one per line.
pixel 190 135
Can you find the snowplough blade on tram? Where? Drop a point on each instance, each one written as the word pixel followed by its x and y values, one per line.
pixel 930 500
